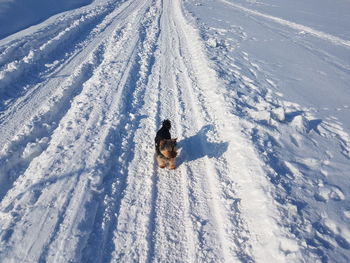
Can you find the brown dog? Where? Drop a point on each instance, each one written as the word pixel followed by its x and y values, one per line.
pixel 167 153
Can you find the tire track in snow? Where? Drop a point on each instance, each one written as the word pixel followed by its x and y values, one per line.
pixel 57 246
pixel 15 48
pixel 122 243
pixel 84 34
pixel 104 168
pixel 132 236
pixel 61 186
pixel 187 213
pixel 206 210
pixel 41 58
pixel 114 175
pixel 172 237
pixel 18 155
pixel 40 121
pixel 241 224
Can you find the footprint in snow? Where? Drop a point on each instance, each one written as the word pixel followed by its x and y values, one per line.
pixel 328 237
pixel 329 192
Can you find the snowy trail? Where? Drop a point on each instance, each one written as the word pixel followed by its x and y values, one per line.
pixel 81 98
pixel 83 177
pixel 185 215
pixel 37 111
pixel 89 109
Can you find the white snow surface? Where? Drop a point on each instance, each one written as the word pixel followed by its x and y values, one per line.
pixel 258 95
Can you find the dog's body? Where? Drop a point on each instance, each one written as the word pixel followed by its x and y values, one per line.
pixel 167 153
pixel 166 150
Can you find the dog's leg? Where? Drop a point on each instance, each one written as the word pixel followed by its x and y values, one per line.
pixel 161 161
pixel 172 164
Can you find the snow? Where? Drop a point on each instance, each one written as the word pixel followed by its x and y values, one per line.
pixel 257 92
pixel 16 15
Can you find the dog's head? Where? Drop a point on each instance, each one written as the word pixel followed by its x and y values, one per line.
pixel 166 124
pixel 168 148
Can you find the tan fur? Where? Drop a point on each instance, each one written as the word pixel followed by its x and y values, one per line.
pixel 168 153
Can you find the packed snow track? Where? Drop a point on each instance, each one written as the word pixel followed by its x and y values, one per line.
pixel 81 98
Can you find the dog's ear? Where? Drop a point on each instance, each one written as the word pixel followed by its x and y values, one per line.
pixel 161 143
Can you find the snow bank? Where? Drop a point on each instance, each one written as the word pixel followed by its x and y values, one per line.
pixel 16 15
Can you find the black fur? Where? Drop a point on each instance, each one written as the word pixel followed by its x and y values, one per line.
pixel 162 134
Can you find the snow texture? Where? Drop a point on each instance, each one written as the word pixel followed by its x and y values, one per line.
pixel 258 96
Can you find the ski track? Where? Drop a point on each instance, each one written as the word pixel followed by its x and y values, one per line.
pixel 83 96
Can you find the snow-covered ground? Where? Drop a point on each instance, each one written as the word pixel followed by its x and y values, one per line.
pixel 257 92
pixel 20 14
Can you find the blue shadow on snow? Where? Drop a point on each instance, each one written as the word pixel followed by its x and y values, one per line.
pixel 198 146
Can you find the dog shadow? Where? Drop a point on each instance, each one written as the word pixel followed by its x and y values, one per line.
pixel 198 146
